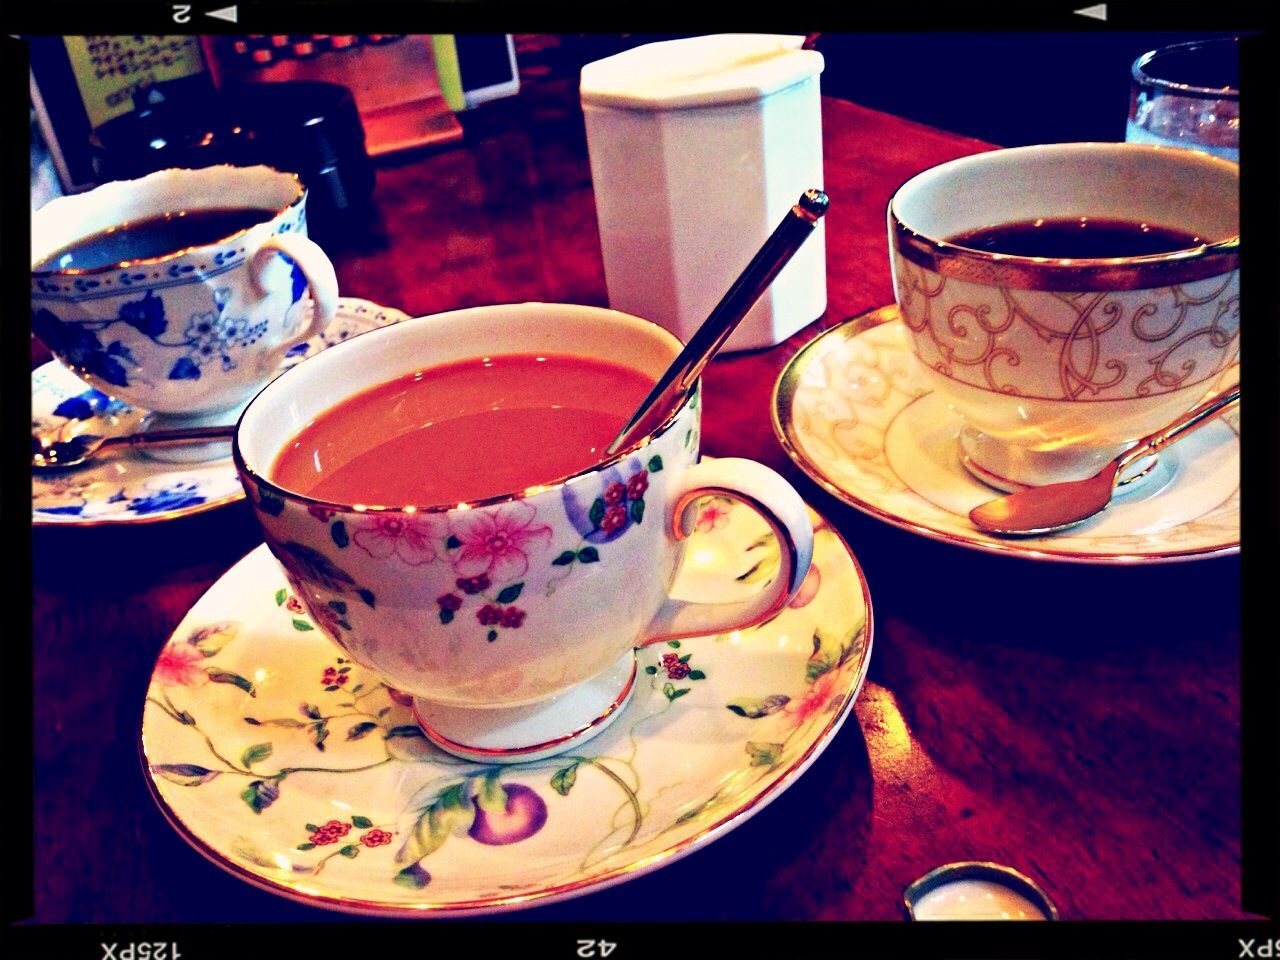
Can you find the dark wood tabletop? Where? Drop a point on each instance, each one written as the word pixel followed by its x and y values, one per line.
pixel 1077 723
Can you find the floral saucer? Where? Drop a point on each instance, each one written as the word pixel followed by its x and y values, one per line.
pixel 853 412
pixel 299 771
pixel 129 487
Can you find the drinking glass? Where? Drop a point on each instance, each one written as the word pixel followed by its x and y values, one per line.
pixel 1187 95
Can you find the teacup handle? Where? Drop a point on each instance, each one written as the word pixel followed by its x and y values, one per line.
pixel 766 492
pixel 316 268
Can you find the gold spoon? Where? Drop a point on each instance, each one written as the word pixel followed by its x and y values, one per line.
pixel 1057 506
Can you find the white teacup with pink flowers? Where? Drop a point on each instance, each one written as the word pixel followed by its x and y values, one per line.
pixel 512 621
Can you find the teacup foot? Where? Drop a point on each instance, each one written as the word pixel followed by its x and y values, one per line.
pixel 1010 469
pixel 535 731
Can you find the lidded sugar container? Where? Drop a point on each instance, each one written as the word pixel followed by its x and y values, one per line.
pixel 698 148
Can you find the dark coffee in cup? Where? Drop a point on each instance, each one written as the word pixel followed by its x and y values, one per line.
pixel 153 236
pixel 1061 238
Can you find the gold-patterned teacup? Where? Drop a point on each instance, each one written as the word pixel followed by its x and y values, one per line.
pixel 1057 365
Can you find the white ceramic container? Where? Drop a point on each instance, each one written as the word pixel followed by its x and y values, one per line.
pixel 698 148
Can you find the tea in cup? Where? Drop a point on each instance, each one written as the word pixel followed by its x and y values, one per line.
pixel 179 292
pixel 1068 299
pixel 440 498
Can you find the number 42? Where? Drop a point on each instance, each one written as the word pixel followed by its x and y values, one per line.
pixel 595 948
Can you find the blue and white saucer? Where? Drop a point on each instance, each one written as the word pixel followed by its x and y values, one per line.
pixel 127 487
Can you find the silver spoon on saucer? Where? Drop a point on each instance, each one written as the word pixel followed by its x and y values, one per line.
pixel 49 455
pixel 1057 506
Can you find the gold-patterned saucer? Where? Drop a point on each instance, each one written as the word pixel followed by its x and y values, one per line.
pixel 852 410
pixel 303 774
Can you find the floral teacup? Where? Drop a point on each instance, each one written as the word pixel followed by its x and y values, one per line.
pixel 196 331
pixel 512 620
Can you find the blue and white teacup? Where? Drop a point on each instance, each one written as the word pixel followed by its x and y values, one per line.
pixel 192 332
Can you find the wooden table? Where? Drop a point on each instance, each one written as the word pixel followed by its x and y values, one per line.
pixel 1080 724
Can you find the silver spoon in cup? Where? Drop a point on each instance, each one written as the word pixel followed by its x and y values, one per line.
pixel 1057 506
pixel 679 377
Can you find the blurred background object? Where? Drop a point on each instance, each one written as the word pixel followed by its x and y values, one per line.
pixel 1052 87
pixel 118 107
pixel 403 92
pixel 1010 89
pixel 80 82
pixel 1188 95
pixel 306 127
pixel 44 177
pixel 476 67
pixel 406 88
pixel 392 78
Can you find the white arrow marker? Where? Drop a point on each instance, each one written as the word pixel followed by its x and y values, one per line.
pixel 231 15
pixel 1097 12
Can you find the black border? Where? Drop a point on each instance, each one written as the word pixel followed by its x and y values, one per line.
pixel 1260 659
pixel 1260 473
pixel 15 420
pixel 594 16
pixel 664 939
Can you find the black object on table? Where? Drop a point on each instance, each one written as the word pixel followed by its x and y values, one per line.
pixel 307 127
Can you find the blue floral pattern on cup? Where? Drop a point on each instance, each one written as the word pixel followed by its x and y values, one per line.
pixel 209 336
pixel 132 488
pixel 215 336
pixel 81 347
